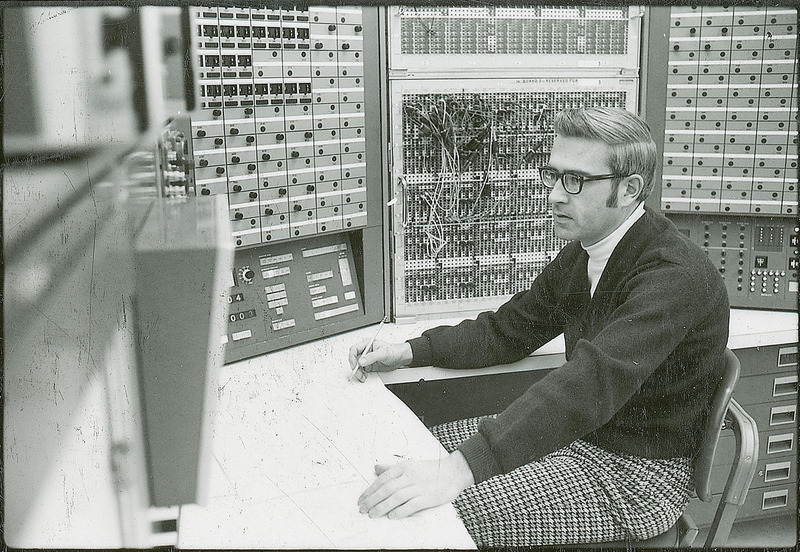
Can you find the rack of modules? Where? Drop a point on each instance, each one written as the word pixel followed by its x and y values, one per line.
pixel 280 123
pixel 473 93
pixel 730 170
pixel 279 127
pixel 454 39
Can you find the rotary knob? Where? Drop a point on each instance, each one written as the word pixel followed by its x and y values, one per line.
pixel 246 275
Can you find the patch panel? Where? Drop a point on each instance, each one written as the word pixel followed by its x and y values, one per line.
pixel 730 144
pixel 279 125
pixel 498 30
pixel 731 118
pixel 474 223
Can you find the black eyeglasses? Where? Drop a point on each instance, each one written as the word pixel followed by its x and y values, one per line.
pixel 573 183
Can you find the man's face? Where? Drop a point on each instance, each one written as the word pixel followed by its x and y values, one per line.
pixel 583 216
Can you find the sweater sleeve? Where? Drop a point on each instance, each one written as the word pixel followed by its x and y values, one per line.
pixel 663 306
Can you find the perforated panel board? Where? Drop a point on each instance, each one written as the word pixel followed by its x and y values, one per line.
pixel 731 137
pixel 504 38
pixel 280 121
pixel 473 224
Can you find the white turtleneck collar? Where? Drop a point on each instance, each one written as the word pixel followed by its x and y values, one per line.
pixel 600 252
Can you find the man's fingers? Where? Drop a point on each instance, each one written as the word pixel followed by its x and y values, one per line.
pixel 397 498
pixel 388 482
pixel 409 507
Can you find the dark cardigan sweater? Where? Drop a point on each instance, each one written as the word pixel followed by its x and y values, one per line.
pixel 644 354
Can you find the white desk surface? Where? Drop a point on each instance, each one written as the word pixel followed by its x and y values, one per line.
pixel 294 443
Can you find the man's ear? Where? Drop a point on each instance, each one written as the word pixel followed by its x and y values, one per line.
pixel 629 190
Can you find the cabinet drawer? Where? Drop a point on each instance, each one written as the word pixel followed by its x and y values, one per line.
pixel 771 444
pixel 764 502
pixel 765 388
pixel 773 415
pixel 769 472
pixel 768 359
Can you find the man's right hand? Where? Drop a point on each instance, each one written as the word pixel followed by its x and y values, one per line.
pixel 381 358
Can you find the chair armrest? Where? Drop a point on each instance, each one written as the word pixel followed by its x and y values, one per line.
pixel 746 432
pixel 741 475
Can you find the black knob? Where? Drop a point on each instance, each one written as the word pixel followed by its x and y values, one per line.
pixel 205 191
pixel 345 46
pixel 309 134
pixel 204 162
pixel 251 166
pixel 217 112
pixel 318 45
pixel 237 188
pixel 235 159
pixel 218 141
pixel 331 27
pixel 268 211
pixel 248 111
pixel 201 133
pixel 298 207
pixel 358 28
pixel 310 187
pixel 265 157
pixel 253 195
pixel 282 191
pixel 295 154
pixel 220 170
pixel 249 274
pixel 238 216
pixel 234 131
pixel 250 139
pixel 279 136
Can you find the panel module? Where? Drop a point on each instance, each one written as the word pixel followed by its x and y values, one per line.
pixel 730 145
pixel 279 125
pixel 279 128
pixel 473 95
pixel 731 124
pixel 427 38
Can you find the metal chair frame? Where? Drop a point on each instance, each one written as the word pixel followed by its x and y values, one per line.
pixel 726 413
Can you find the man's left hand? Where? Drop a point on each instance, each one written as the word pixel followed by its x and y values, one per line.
pixel 406 488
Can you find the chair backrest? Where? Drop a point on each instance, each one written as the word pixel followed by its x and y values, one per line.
pixel 719 407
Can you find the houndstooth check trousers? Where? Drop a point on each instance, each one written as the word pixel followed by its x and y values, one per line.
pixel 579 494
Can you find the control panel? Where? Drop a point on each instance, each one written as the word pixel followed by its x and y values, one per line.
pixel 279 125
pixel 730 145
pixel 758 258
pixel 283 291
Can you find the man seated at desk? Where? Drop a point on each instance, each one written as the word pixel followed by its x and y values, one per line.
pixel 600 449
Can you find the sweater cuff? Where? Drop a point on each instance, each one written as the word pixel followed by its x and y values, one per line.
pixel 479 456
pixel 421 351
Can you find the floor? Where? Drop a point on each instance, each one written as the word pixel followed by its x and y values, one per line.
pixel 778 532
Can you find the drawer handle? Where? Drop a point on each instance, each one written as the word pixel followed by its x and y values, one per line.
pixel 780 443
pixel 784 386
pixel 775 499
pixel 787 356
pixel 779 415
pixel 777 471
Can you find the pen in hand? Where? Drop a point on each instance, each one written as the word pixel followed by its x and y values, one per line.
pixel 366 349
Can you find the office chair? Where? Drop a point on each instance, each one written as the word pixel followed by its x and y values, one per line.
pixel 726 413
